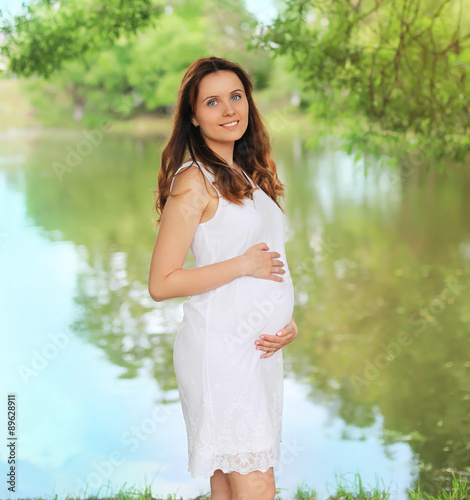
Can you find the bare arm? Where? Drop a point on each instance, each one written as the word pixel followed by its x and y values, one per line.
pixel 186 282
pixel 180 219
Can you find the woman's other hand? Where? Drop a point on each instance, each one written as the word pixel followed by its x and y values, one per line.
pixel 261 264
pixel 272 343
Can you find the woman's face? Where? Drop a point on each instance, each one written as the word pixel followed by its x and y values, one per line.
pixel 221 99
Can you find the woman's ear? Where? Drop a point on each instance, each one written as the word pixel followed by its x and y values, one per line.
pixel 195 123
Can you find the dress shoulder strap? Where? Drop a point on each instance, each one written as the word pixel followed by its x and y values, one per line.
pixel 211 177
pixel 250 180
pixel 174 175
pixel 208 174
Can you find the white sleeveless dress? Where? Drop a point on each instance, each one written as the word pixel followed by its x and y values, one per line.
pixel 231 398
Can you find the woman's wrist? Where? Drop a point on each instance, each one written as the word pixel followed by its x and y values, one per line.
pixel 242 265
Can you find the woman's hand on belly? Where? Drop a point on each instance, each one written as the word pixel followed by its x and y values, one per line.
pixel 262 264
pixel 272 343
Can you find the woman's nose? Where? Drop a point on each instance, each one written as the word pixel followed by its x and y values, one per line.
pixel 229 109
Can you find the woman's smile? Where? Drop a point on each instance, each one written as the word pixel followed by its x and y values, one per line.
pixel 230 125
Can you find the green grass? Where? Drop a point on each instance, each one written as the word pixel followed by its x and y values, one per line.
pixel 345 490
pixel 305 493
pixel 459 490
pixel 355 490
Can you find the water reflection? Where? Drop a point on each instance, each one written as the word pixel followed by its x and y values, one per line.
pixel 378 380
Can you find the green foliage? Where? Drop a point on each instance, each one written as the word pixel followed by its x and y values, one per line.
pixel 160 57
pixel 459 490
pixel 50 33
pixel 229 29
pixel 356 491
pixel 400 63
pixel 304 492
pixel 143 73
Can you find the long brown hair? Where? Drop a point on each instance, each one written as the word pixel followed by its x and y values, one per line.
pixel 252 152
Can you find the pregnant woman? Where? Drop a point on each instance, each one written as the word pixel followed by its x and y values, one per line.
pixel 218 195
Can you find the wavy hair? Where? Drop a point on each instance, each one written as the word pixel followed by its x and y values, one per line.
pixel 252 152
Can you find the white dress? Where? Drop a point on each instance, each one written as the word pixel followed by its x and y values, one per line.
pixel 231 398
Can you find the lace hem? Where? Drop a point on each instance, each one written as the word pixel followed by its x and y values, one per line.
pixel 243 463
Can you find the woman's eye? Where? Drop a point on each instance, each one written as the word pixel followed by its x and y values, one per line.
pixel 213 100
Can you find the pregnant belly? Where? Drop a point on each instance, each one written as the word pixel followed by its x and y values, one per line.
pixel 248 307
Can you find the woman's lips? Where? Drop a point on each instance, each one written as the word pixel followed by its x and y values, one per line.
pixel 233 126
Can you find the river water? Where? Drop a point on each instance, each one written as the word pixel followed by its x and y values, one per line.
pixel 377 382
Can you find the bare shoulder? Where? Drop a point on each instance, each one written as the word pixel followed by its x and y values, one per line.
pixel 191 178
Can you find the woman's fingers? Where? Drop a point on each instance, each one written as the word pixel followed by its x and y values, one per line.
pixel 272 343
pixel 269 346
pixel 275 342
pixel 277 269
pixel 267 355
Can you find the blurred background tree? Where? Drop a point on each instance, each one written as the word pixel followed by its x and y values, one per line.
pixel 136 70
pixel 389 77
pixel 401 65
pixel 50 32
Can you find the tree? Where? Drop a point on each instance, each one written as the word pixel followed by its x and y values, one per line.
pixel 400 64
pixel 143 72
pixel 50 32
